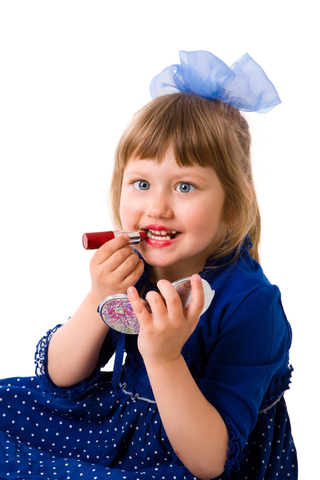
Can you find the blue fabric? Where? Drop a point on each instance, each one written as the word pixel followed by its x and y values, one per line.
pixel 118 359
pixel 244 85
pixel 238 355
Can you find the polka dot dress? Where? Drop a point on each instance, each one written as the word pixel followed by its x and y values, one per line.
pixel 270 453
pixel 89 438
pixel 112 433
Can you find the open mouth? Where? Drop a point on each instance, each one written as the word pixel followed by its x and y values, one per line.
pixel 161 234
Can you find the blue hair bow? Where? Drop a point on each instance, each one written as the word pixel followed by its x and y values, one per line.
pixel 243 85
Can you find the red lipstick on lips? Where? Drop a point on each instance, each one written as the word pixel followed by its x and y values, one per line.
pixel 94 240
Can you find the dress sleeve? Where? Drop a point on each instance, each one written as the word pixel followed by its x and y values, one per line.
pixel 251 347
pixel 53 390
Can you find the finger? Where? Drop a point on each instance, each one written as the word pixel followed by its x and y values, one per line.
pixel 124 259
pixel 110 248
pixel 124 263
pixel 138 307
pixel 133 276
pixel 171 297
pixel 157 304
pixel 196 305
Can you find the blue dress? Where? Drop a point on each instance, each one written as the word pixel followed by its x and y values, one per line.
pixel 238 356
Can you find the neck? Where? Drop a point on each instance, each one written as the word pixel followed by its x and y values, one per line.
pixel 178 270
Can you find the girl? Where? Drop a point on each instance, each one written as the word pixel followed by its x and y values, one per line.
pixel 199 395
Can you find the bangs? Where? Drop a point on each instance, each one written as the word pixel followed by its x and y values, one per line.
pixel 180 121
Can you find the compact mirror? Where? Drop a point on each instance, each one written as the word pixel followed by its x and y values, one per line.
pixel 183 287
pixel 116 310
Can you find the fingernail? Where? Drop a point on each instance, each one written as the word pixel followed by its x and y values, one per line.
pixel 196 278
pixel 131 291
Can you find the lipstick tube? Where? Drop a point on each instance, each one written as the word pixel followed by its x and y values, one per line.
pixel 94 240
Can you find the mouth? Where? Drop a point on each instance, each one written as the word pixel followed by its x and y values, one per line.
pixel 161 234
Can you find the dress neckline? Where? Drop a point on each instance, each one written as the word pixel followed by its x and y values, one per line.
pixel 212 265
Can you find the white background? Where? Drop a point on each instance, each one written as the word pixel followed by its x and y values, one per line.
pixel 72 73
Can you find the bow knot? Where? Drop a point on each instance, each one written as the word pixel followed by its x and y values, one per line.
pixel 244 85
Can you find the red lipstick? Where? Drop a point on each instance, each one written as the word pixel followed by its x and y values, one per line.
pixel 94 240
pixel 156 227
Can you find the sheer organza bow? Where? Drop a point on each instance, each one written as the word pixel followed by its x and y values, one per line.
pixel 243 85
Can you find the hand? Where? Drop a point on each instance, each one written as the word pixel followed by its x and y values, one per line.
pixel 164 331
pixel 113 268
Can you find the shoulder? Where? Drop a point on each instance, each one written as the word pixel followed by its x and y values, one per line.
pixel 246 304
pixel 237 281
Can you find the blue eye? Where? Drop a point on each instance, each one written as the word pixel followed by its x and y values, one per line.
pixel 141 185
pixel 184 187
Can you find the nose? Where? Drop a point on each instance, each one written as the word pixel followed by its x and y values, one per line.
pixel 159 206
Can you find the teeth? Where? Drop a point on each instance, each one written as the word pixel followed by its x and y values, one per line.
pixel 154 237
pixel 158 237
pixel 160 234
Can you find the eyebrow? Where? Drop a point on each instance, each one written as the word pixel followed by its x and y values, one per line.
pixel 178 174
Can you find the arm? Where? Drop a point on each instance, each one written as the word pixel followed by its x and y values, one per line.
pixel 74 349
pixel 194 427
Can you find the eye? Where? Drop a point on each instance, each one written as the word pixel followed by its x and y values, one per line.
pixel 184 187
pixel 141 185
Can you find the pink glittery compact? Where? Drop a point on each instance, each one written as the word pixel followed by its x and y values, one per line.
pixel 116 310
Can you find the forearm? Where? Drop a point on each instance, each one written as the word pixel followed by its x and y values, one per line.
pixel 75 347
pixel 195 429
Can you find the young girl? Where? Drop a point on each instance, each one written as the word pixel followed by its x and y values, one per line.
pixel 199 395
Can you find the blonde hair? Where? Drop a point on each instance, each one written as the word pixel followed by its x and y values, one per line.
pixel 206 133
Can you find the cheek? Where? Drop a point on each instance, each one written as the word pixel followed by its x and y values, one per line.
pixel 127 214
pixel 207 220
pixel 123 209
pixel 123 214
pixel 201 215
